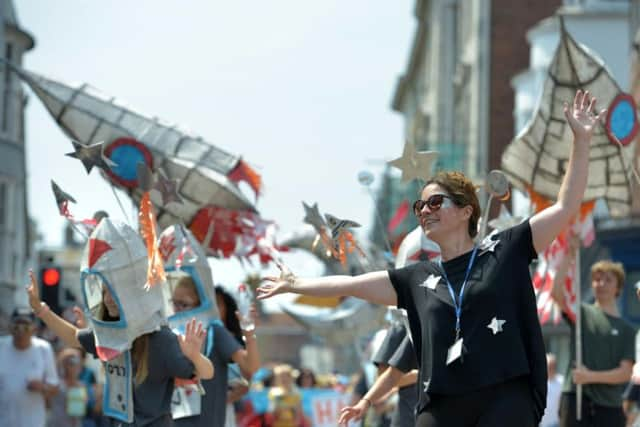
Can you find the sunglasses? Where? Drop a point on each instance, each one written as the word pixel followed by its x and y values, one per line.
pixel 434 203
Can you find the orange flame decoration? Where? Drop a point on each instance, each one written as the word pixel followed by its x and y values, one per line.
pixel 244 172
pixel 155 270
pixel 347 244
pixel 542 202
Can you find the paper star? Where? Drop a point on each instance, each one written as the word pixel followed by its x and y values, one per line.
pixel 312 216
pixel 426 385
pixel 168 189
pixel 60 195
pixel 337 224
pixel 414 164
pixel 91 155
pixel 488 245
pixel 431 282
pixel 496 325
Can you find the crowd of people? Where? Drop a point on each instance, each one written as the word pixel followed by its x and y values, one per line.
pixel 471 353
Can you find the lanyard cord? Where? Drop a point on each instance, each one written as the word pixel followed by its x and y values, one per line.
pixel 457 302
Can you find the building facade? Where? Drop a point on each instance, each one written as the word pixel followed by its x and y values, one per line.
pixel 15 228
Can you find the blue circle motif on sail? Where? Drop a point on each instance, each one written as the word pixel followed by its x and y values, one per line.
pixel 622 120
pixel 126 153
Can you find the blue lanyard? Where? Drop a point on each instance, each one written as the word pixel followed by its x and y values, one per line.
pixel 457 303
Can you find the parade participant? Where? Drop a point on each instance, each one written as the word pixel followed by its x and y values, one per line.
pixel 608 344
pixel 28 377
pixel 69 406
pixel 226 349
pixel 193 295
pixel 141 356
pixel 473 317
pixel 401 373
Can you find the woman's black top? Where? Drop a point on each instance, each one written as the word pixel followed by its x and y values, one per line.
pixel 499 321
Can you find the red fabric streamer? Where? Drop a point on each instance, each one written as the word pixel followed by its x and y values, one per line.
pixel 244 172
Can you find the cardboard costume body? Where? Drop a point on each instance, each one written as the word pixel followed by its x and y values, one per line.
pixel 183 256
pixel 114 260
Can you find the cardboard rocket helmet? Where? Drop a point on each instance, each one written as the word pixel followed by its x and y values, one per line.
pixel 114 260
pixel 185 259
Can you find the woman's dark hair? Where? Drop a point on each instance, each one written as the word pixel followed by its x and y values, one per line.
pixel 462 192
pixel 230 321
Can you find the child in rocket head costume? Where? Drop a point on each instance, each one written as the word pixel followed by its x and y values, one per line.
pixel 140 354
pixel 189 293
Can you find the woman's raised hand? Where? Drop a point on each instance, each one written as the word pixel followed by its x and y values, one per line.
pixel 33 292
pixel 277 285
pixel 581 115
pixel 192 340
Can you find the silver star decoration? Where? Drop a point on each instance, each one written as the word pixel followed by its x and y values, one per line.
pixel 414 164
pixel 312 216
pixel 426 385
pixel 168 189
pixel 431 282
pixel 496 325
pixel 60 195
pixel 504 220
pixel 337 225
pixel 488 245
pixel 614 332
pixel 91 155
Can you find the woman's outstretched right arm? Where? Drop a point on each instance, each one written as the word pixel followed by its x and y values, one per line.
pixel 374 287
pixel 63 329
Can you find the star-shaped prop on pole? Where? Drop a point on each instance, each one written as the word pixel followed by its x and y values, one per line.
pixel 312 216
pixel 414 164
pixel 91 155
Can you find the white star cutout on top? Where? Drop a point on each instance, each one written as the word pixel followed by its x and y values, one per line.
pixel 488 245
pixel 430 282
pixel 426 385
pixel 414 164
pixel 496 325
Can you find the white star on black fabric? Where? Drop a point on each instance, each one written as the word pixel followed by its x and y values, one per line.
pixel 430 282
pixel 91 155
pixel 488 245
pixel 496 325
pixel 426 385
pixel 168 189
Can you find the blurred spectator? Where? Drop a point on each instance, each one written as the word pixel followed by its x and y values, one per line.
pixel 554 391
pixel 28 375
pixel 306 379
pixel 285 401
pixel 69 406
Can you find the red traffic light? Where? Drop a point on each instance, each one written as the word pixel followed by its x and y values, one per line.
pixel 51 277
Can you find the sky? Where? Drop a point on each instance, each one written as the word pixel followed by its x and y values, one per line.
pixel 302 90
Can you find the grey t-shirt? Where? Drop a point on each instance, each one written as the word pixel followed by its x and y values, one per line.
pixel 404 359
pixel 606 341
pixel 152 398
pixel 214 402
